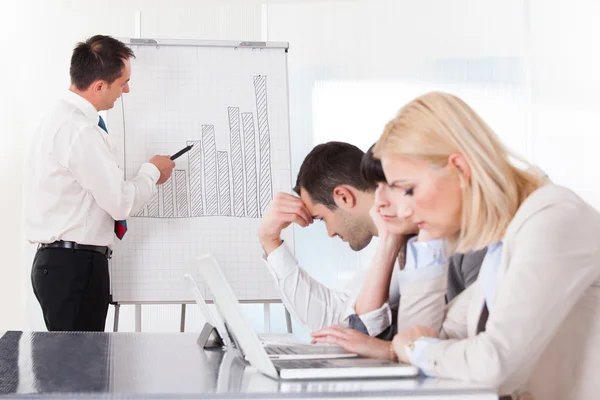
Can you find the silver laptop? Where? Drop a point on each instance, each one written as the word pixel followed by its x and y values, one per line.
pixel 278 347
pixel 245 340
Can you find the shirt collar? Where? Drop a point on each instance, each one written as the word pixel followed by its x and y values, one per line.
pixel 85 106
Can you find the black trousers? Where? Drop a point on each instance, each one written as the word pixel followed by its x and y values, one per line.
pixel 72 287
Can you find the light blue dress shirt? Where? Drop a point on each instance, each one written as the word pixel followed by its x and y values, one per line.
pixel 424 254
pixel 424 260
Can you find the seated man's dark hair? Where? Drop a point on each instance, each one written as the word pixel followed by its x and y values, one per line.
pixel 327 166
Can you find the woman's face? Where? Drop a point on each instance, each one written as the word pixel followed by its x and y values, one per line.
pixel 396 217
pixel 429 196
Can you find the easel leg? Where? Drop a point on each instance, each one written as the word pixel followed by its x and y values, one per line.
pixel 116 318
pixel 138 317
pixel 267 318
pixel 182 324
pixel 288 320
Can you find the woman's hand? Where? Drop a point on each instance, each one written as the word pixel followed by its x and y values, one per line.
pixel 410 335
pixel 379 222
pixel 397 229
pixel 354 342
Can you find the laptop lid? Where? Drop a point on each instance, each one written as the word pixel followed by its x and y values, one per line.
pixel 235 322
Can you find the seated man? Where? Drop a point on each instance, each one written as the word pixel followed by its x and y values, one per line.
pixel 332 189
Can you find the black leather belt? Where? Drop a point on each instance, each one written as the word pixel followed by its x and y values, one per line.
pixel 105 251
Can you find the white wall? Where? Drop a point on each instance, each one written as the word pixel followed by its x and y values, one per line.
pixel 565 82
pixel 530 67
pixel 11 312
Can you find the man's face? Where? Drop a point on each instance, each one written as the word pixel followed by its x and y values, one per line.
pixel 111 92
pixel 349 225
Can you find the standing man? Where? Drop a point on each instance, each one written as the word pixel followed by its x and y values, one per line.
pixel 76 200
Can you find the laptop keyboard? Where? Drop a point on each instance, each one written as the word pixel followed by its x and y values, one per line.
pixel 303 349
pixel 279 350
pixel 336 363
pixel 305 364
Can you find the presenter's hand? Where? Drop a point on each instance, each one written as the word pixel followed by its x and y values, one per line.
pixel 284 209
pixel 165 166
pixel 354 342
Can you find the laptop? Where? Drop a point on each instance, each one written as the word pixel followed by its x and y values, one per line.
pixel 277 346
pixel 246 341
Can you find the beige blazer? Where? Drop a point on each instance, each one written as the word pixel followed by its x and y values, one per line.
pixel 542 338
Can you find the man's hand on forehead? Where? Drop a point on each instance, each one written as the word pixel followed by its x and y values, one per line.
pixel 284 210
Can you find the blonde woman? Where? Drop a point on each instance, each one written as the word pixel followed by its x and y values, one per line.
pixel 530 324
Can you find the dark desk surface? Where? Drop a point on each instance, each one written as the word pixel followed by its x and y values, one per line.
pixel 152 365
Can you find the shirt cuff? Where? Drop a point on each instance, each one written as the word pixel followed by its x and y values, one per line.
pixel 377 321
pixel 354 322
pixel 281 262
pixel 418 354
pixel 151 170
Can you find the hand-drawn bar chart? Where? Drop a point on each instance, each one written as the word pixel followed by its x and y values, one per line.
pixel 230 183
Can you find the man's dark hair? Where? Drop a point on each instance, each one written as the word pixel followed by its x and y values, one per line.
pixel 329 165
pixel 371 169
pixel 99 57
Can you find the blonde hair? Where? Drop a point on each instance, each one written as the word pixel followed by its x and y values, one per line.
pixel 436 125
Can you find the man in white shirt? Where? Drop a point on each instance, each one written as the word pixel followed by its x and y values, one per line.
pixel 332 189
pixel 76 200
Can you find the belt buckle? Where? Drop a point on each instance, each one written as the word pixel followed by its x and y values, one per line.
pixel 108 253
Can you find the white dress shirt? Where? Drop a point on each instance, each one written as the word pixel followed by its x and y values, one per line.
pixel 74 188
pixel 316 306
